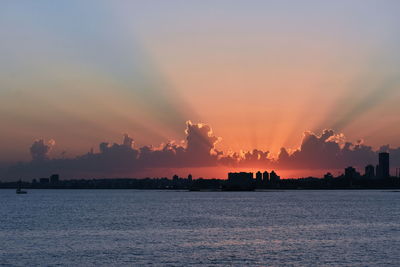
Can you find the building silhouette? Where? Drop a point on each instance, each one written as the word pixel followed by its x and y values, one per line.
pixel 55 178
pixel 369 171
pixel 383 169
pixel 240 181
pixel 351 173
pixel 44 180
pixel 273 177
pixel 259 178
pixel 265 177
pixel 240 177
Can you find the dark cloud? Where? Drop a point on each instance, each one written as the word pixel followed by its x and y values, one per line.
pixel 200 144
pixel 128 141
pixel 198 150
pixel 40 150
pixel 254 158
pixel 124 159
pixel 328 150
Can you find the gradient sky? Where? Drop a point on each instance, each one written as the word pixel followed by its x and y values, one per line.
pixel 260 73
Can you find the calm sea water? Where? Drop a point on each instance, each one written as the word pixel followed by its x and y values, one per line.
pixel 171 228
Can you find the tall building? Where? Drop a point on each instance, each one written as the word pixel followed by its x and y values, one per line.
pixel 369 171
pixel 384 167
pixel 378 172
pixel 265 177
pixel 259 178
pixel 274 178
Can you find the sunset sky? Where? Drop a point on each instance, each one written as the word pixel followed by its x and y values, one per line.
pixel 259 73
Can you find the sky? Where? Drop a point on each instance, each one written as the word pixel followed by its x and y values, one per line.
pixel 260 74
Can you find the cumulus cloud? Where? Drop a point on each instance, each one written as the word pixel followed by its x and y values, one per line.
pixel 254 158
pixel 327 150
pixel 124 159
pixel 200 148
pixel 40 149
pixel 197 151
pixel 128 141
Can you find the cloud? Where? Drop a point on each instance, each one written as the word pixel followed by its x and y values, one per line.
pixel 197 151
pixel 254 158
pixel 40 150
pixel 328 150
pixel 124 159
pixel 201 142
pixel 128 141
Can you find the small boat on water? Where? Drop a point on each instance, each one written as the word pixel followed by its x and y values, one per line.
pixel 19 189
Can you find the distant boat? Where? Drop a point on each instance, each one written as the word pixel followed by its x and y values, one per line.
pixel 19 190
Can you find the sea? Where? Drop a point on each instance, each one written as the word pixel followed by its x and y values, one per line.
pixel 181 228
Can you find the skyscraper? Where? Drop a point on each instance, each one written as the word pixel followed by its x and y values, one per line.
pixel 384 167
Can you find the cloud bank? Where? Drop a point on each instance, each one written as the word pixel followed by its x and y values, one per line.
pixel 328 150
